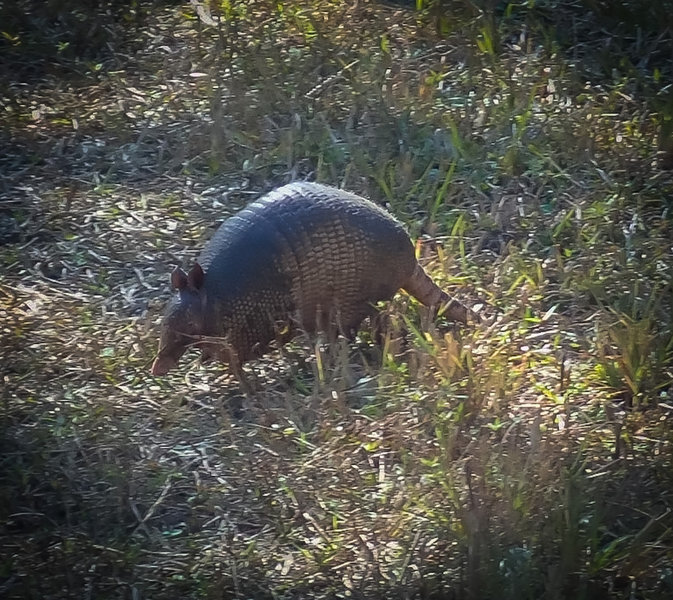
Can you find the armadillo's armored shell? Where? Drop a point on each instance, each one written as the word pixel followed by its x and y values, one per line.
pixel 304 255
pixel 306 250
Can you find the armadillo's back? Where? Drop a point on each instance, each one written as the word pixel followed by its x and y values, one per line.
pixel 315 251
pixel 344 251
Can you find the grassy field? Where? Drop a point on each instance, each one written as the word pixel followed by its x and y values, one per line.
pixel 525 145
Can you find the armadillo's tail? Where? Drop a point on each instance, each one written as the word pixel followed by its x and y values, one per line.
pixel 429 293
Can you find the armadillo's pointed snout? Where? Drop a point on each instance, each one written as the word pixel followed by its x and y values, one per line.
pixel 162 365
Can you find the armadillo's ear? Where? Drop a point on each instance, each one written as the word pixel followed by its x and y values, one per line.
pixel 179 279
pixel 195 277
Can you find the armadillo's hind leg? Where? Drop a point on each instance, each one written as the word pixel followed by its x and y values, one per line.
pixel 426 291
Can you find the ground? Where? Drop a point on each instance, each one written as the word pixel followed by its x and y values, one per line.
pixel 523 145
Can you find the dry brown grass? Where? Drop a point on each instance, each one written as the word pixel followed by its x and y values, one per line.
pixel 527 458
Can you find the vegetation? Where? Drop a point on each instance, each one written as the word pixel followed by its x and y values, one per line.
pixel 526 145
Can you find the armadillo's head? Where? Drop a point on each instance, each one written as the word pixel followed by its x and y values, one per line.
pixel 184 322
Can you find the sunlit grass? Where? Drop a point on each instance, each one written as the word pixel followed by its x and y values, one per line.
pixel 526 457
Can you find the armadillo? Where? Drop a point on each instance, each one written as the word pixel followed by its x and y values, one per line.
pixel 305 256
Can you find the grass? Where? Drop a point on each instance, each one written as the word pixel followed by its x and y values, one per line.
pixel 526 458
